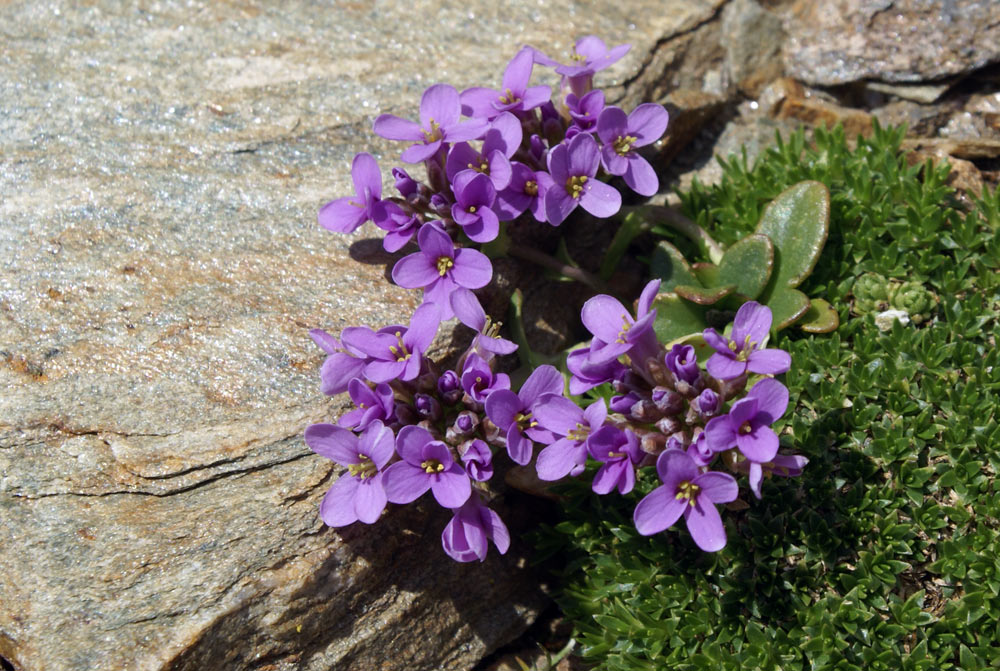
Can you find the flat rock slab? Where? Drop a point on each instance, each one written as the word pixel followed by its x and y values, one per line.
pixel 160 265
pixel 842 41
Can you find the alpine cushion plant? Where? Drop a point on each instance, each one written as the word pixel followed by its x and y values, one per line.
pixel 422 426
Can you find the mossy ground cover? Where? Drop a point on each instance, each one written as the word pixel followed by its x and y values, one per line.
pixel 885 553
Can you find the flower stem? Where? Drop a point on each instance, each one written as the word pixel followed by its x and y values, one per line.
pixel 572 272
pixel 677 221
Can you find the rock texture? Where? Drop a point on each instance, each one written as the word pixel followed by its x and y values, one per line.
pixel 841 41
pixel 161 165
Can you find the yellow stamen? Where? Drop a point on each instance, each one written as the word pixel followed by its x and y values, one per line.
pixel 623 144
pixel 434 134
pixel 364 469
pixel 432 466
pixel 687 490
pixel 579 433
pixel 531 188
pixel 623 334
pixel 444 264
pixel 574 185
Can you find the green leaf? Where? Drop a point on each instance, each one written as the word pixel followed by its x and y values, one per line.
pixel 629 228
pixel 747 265
pixel 676 317
pixel 669 265
pixel 787 307
pixel 797 222
pixel 820 317
pixel 707 274
pixel 703 295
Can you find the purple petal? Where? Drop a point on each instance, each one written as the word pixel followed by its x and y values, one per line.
pixel 752 320
pixel 370 499
pixel 468 309
pixel 418 153
pixel 600 199
pixel 378 443
pixel 410 443
pixel 674 467
pixel 772 399
pixel 720 434
pixel 435 243
pixel 423 327
pixel 337 507
pixel 495 529
pixel 472 129
pixel 743 410
pixel 640 176
pixel 760 445
pixel 535 96
pixel 344 215
pixel 604 316
pixel 608 477
pixel 647 123
pixel 596 413
pixel 769 361
pixel 333 442
pixel 416 270
pixel 464 541
pixel 478 102
pixel 452 487
pixel 486 228
pixel 384 371
pixel 519 447
pixel 391 127
pixel 557 413
pixel 505 135
pixel 755 476
pixel 325 341
pixel 366 176
pixel 647 297
pixel 337 371
pixel 611 125
pixel 558 205
pixel 543 380
pixel 461 157
pixel 657 511
pixel 558 164
pixel 724 367
pixel 583 156
pixel 718 342
pixel 439 103
pixel 613 162
pixel 560 459
pixel 502 406
pixel 518 71
pixel 718 487
pixel 472 269
pixel 705 525
pixel 405 482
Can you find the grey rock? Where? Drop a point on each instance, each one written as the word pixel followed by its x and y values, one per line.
pixel 160 265
pixel 752 37
pixel 843 41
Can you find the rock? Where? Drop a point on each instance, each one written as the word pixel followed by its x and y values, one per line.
pixel 842 41
pixel 162 265
pixel 752 37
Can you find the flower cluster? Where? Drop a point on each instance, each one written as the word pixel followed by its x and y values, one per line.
pixel 493 155
pixel 416 428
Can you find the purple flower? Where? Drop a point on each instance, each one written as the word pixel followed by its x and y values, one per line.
pixel 398 354
pixel 516 95
pixel 478 460
pixel 478 379
pixel 512 413
pixel 473 525
pixel 590 55
pixel 449 386
pixel 585 110
pixel 501 141
pixel 427 464
pixel 526 191
pixel 345 215
pixel 620 134
pixel 586 374
pixel 748 424
pixel 573 166
pixel 343 365
pixel 699 450
pixel 617 332
pixel 440 111
pixel 620 457
pixel 440 269
pixel 359 494
pixel 398 225
pixel 575 428
pixel 707 403
pixel 784 465
pixel 687 492
pixel 487 342
pixel 682 362
pixel 473 208
pixel 374 404
pixel 735 357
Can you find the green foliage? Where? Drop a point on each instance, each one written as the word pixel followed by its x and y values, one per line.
pixel 885 553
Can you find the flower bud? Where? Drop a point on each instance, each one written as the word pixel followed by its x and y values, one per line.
pixel 667 401
pixel 427 407
pixel 450 387
pixel 669 425
pixel 466 422
pixel 707 403
pixel 683 363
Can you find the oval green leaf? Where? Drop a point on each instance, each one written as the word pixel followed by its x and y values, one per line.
pixel 676 317
pixel 704 295
pixel 747 265
pixel 669 265
pixel 797 222
pixel 820 317
pixel 787 307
